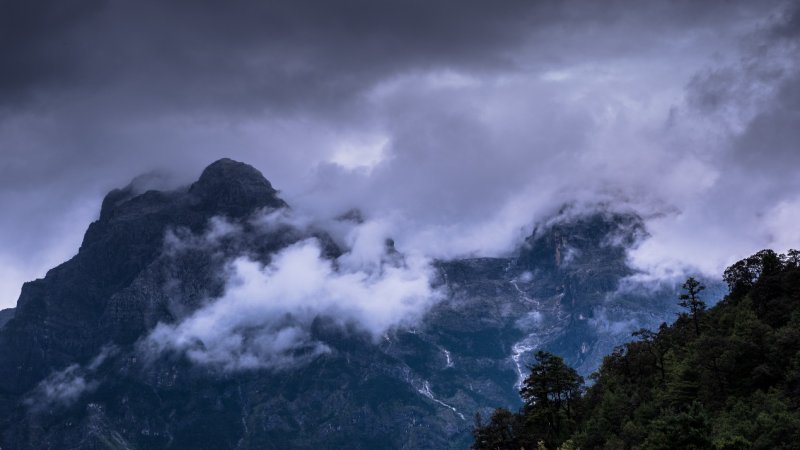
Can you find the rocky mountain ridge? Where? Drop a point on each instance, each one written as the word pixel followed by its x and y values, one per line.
pixel 74 375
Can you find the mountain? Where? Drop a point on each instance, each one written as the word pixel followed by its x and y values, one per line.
pixel 103 352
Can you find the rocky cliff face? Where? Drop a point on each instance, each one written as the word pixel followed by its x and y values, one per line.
pixel 6 315
pixel 74 372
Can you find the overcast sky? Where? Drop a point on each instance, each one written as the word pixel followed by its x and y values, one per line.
pixel 461 123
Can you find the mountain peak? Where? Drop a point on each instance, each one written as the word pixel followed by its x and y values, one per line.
pixel 234 188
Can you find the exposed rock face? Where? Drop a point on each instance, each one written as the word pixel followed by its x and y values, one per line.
pixel 234 188
pixel 6 315
pixel 72 372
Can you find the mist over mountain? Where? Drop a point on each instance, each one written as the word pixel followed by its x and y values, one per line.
pixel 215 316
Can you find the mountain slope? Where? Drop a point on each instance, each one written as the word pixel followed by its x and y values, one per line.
pixel 94 356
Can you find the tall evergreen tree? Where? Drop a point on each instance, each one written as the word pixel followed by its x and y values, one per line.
pixel 551 393
pixel 691 301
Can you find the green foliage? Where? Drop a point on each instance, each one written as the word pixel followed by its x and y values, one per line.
pixel 552 395
pixel 723 378
pixel 501 433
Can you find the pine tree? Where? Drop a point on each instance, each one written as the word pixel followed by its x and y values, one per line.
pixel 551 393
pixel 691 301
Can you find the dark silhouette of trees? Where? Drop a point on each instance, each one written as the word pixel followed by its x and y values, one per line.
pixel 500 433
pixel 691 301
pixel 657 345
pixel 551 393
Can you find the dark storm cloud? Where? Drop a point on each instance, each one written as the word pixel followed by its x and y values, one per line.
pixel 459 122
pixel 788 26
pixel 35 48
pixel 248 53
pixel 292 54
pixel 772 139
pixel 759 96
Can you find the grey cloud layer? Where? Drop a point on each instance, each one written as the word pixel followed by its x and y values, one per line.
pixel 248 55
pixel 307 55
pixel 462 122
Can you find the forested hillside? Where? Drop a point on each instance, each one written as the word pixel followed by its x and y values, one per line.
pixel 727 377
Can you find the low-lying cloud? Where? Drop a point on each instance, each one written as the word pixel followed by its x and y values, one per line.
pixel 65 387
pixel 265 317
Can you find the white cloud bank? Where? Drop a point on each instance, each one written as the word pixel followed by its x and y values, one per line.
pixel 265 316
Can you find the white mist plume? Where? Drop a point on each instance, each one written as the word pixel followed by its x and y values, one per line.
pixel 264 318
pixel 66 386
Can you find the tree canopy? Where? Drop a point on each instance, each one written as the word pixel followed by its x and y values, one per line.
pixel 551 394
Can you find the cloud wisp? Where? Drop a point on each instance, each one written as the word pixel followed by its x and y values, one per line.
pixel 65 387
pixel 266 315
